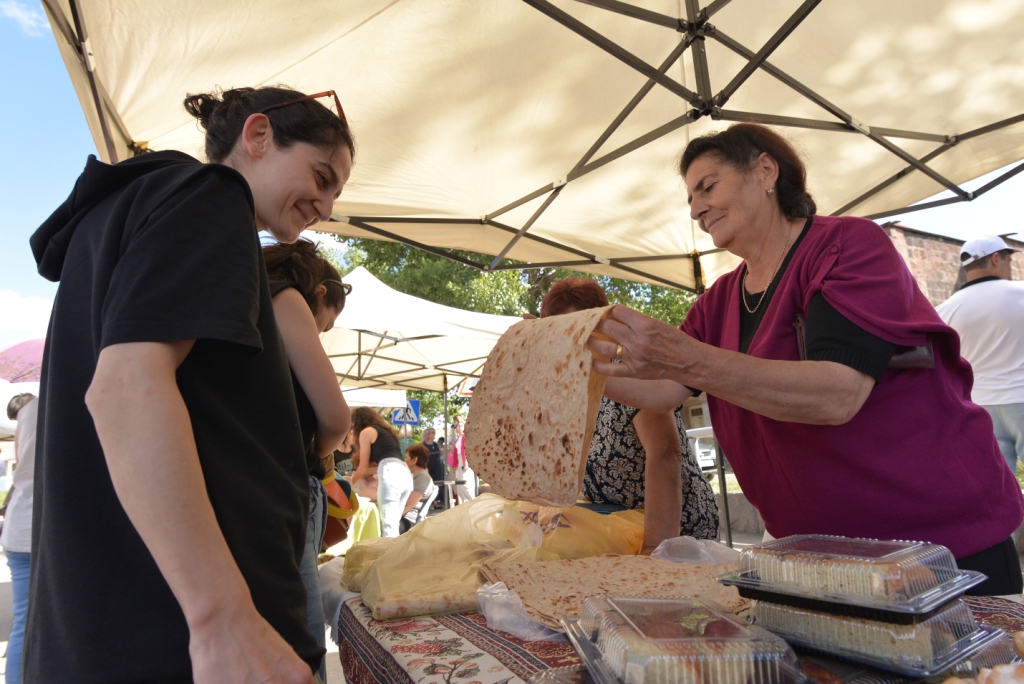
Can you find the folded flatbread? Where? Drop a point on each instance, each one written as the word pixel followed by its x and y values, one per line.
pixel 535 408
pixel 552 590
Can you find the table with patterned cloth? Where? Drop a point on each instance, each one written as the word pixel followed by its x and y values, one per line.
pixel 461 649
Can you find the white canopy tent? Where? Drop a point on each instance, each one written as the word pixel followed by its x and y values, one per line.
pixel 545 132
pixel 374 397
pixel 385 338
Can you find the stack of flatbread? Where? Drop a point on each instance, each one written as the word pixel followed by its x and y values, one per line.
pixel 552 590
pixel 535 408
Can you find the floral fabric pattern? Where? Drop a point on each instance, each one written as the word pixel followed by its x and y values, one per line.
pixel 439 649
pixel 616 464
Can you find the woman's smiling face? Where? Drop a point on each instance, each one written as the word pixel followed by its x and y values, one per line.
pixel 297 187
pixel 293 188
pixel 725 201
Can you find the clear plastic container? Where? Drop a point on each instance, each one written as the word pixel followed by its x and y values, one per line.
pixel 908 578
pixel 917 649
pixel 645 640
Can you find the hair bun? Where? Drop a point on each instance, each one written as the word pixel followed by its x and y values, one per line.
pixel 202 106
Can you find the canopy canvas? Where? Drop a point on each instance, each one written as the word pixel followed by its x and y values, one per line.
pixel 389 339
pixel 374 397
pixel 547 132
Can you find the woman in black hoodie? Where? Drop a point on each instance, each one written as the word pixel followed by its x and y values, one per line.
pixel 168 549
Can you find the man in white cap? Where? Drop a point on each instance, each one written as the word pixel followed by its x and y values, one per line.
pixel 988 312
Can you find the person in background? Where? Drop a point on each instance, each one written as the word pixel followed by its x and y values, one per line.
pixel 16 537
pixel 435 466
pixel 458 465
pixel 640 458
pixel 308 296
pixel 379 450
pixel 170 550
pixel 417 457
pixel 988 313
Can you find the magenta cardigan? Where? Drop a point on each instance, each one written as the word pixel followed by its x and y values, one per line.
pixel 919 461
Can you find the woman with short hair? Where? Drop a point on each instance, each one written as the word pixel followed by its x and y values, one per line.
pixel 835 390
pixel 417 457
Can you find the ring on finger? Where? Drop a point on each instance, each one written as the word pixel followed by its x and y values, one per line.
pixel 618 353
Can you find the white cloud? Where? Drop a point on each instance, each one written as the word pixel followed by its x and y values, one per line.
pixel 30 20
pixel 22 316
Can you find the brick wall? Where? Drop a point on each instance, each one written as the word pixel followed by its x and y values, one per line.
pixel 935 260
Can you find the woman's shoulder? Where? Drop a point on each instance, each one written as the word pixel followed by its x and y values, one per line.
pixel 279 286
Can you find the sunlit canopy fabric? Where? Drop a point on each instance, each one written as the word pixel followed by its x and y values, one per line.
pixel 477 119
pixel 374 397
pixel 386 338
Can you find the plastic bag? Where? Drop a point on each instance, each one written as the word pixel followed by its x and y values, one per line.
pixel 434 567
pixel 580 532
pixel 360 559
pixel 504 610
pixel 690 550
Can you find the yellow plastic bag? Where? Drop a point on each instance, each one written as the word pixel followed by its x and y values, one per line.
pixel 433 568
pixel 580 532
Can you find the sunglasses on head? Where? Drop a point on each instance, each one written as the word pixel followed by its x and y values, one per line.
pixel 316 96
pixel 345 287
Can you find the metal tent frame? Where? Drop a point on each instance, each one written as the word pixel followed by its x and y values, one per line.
pixel 696 29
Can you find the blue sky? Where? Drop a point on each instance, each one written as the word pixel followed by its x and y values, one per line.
pixel 46 143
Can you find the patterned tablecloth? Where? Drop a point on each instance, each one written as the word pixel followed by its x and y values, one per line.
pixel 460 649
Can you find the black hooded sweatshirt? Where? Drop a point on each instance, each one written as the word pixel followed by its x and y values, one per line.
pixel 159 248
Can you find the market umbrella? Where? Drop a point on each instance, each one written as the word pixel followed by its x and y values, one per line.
pixel 22 362
pixel 385 338
pixel 546 132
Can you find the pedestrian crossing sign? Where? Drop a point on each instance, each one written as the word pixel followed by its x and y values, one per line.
pixel 410 415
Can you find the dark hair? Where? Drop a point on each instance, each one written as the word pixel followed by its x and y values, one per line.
pixel 223 114
pixel 572 293
pixel 981 263
pixel 364 416
pixel 301 263
pixel 740 145
pixel 18 402
pixel 420 454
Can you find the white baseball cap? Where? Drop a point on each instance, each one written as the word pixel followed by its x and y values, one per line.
pixel 981 247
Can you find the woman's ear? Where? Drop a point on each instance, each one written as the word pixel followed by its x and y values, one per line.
pixel 257 135
pixel 768 170
pixel 320 290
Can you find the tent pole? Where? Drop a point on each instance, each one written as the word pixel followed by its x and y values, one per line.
pixel 83 41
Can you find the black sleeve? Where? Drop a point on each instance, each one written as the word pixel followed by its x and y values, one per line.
pixel 189 270
pixel 833 337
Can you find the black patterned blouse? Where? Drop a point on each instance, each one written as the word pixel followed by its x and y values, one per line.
pixel 615 471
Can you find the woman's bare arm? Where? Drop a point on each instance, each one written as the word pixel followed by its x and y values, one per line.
pixel 663 486
pixel 313 370
pixel 366 439
pixel 411 502
pixel 144 429
pixel 813 392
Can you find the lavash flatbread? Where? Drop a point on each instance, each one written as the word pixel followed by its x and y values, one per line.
pixel 552 590
pixel 535 408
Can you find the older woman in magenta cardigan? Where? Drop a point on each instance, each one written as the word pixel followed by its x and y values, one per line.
pixel 836 391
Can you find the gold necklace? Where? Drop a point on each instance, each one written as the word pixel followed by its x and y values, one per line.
pixel 743 285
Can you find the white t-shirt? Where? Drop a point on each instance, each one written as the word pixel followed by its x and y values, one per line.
pixel 990 319
pixel 17 534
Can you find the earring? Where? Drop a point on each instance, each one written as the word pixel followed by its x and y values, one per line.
pixel 770 191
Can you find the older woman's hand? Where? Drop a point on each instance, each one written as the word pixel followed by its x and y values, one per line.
pixel 651 349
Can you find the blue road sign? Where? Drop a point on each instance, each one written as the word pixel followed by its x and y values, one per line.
pixel 410 415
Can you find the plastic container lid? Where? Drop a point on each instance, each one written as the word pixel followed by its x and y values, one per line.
pixel 644 640
pixel 893 576
pixel 918 650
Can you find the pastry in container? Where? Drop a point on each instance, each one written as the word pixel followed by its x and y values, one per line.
pixel 920 649
pixel 903 577
pixel 648 640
